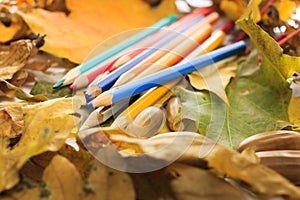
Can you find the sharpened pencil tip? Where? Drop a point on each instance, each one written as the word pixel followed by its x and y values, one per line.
pixel 72 87
pixel 59 84
pixel 88 96
pixel 90 105
pixel 83 127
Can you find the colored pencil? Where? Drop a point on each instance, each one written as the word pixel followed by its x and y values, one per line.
pixel 135 87
pixel 171 55
pixel 289 36
pixel 86 78
pixel 75 72
pixel 108 81
pixel 161 92
pixel 157 95
pixel 212 42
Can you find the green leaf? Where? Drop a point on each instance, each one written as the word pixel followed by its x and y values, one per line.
pixel 255 105
pixel 281 63
pixel 258 96
pixel 46 89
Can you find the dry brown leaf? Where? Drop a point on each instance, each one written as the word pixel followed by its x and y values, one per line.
pixel 21 94
pixel 187 182
pixel 193 148
pixel 15 59
pixel 90 23
pixel 11 122
pixel 63 180
pixel 47 125
pixel 18 79
pixel 107 183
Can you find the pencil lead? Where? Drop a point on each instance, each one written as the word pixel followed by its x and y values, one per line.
pixel 88 96
pixel 90 105
pixel 72 87
pixel 59 84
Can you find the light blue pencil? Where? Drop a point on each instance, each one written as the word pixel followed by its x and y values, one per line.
pixel 108 81
pixel 75 72
pixel 135 87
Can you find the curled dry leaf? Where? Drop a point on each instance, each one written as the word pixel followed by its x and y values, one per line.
pixel 11 122
pixel 18 79
pixel 47 125
pixel 15 59
pixel 12 61
pixel 20 94
pixel 75 45
pixel 193 148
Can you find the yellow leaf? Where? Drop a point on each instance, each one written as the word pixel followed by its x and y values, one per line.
pixel 50 121
pixel 234 9
pixel 47 125
pixel 63 180
pixel 286 8
pixel 11 122
pixel 187 183
pixel 17 28
pixel 108 183
pixel 293 110
pixel 92 22
pixel 215 78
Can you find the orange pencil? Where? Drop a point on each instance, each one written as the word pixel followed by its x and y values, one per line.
pixel 199 32
pixel 85 79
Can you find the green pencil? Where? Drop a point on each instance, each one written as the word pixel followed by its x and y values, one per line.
pixel 75 72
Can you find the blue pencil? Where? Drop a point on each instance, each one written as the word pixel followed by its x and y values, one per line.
pixel 75 72
pixel 135 87
pixel 108 81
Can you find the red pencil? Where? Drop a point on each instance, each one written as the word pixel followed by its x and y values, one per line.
pixel 86 78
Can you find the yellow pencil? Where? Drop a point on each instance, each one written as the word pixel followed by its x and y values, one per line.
pixel 199 32
pixel 163 92
pixel 178 52
pixel 154 96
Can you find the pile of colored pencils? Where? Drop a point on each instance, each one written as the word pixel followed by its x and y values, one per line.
pixel 154 60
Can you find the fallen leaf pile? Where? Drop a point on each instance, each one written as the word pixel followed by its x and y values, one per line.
pixel 43 155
